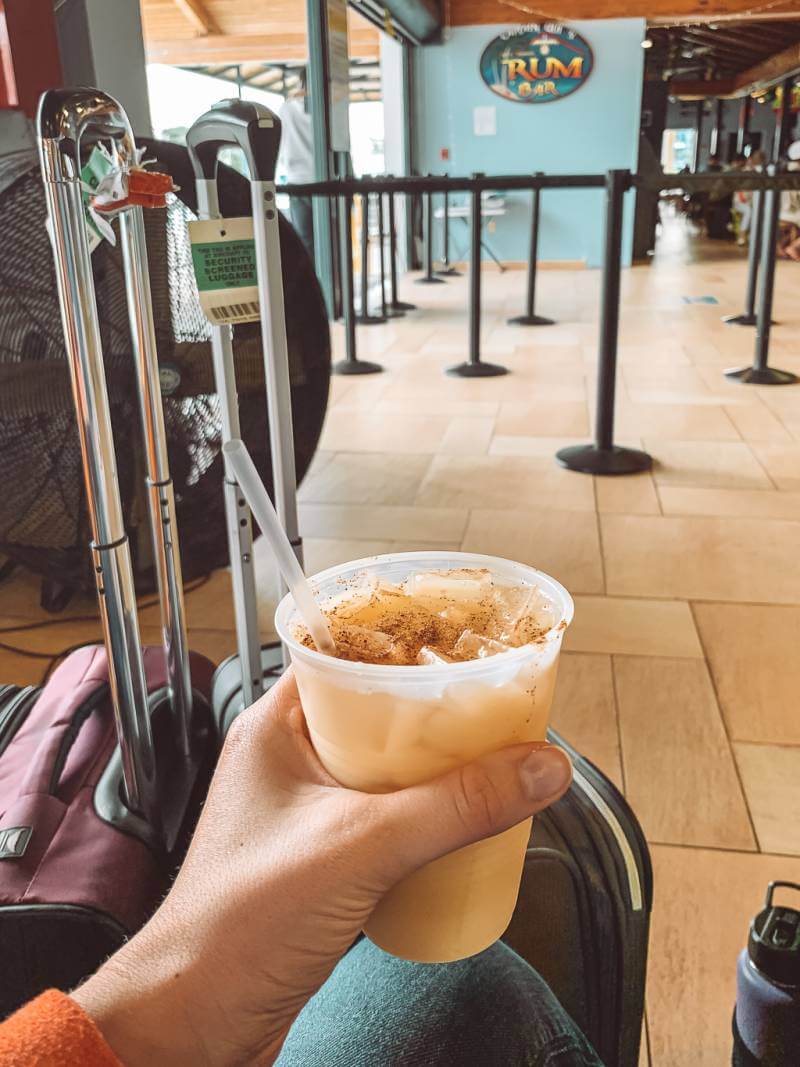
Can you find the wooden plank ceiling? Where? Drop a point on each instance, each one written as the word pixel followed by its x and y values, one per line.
pixel 486 12
pixel 191 32
pixel 716 51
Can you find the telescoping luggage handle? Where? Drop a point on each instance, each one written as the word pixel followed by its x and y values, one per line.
pixel 256 131
pixel 69 119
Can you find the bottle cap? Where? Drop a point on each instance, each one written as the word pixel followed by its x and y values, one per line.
pixel 774 942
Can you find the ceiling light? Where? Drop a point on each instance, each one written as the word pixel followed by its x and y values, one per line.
pixel 647 43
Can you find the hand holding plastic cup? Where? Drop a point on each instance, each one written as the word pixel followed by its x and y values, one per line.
pixel 380 727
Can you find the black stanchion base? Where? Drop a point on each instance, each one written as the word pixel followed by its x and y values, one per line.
pixel 370 320
pixel 477 370
pixel 531 320
pixel 740 320
pixel 402 305
pixel 356 366
pixel 589 459
pixel 394 313
pixel 429 279
pixel 762 376
pixel 450 272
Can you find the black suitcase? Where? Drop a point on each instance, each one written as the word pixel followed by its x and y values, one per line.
pixel 584 907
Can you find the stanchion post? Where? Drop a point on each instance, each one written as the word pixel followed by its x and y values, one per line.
pixel 351 364
pixel 387 311
pixel 749 317
pixel 604 457
pixel 394 303
pixel 760 373
pixel 365 319
pixel 474 368
pixel 447 270
pixel 428 278
pixel 530 318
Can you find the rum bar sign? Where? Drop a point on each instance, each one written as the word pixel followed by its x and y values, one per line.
pixel 536 63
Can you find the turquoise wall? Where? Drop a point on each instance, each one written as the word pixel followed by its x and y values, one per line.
pixel 593 130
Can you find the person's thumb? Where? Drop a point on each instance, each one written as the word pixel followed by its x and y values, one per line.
pixel 483 798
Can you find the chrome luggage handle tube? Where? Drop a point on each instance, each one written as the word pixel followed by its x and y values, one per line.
pixel 256 131
pixel 68 118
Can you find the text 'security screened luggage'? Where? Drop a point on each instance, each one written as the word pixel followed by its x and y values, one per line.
pixel 103 771
pixel 583 915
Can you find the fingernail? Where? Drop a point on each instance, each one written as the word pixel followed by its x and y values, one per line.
pixel 545 772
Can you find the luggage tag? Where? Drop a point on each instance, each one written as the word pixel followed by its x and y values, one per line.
pixel 98 171
pixel 224 260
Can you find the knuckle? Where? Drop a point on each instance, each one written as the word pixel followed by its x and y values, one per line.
pixel 479 802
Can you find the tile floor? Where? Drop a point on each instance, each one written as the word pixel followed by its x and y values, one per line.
pixel 681 676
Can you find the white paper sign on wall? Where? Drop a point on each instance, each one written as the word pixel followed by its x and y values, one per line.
pixel 484 121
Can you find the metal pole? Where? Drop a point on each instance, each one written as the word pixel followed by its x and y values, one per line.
pixel 716 130
pixel 386 311
pixel 364 318
pixel 395 304
pixel 319 106
pixel 783 120
pixel 474 368
pixel 604 457
pixel 760 373
pixel 530 318
pixel 699 128
pixel 351 364
pixel 429 278
pixel 748 316
pixel 744 124
pixel 447 270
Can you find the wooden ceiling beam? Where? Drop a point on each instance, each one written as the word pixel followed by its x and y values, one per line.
pixel 196 13
pixel 761 76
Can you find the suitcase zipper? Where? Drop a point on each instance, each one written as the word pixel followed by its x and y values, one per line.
pixel 15 714
pixel 631 868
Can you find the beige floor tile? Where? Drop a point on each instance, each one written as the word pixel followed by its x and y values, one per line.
pixel 43 646
pixel 746 503
pixel 782 463
pixel 323 552
pixel 704 901
pixel 707 464
pixel 348 431
pixel 679 772
pixel 366 478
pixel 561 543
pixel 504 482
pixel 541 447
pixel 467 436
pixel 635 627
pixel 683 422
pixel 584 712
pixel 634 494
pixel 752 651
pixel 543 420
pixel 758 423
pixel 364 521
pixel 701 558
pixel 771 781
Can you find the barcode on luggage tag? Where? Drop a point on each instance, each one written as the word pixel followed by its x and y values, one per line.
pixel 246 312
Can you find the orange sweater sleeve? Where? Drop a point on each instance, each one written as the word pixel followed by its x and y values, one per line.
pixel 52 1031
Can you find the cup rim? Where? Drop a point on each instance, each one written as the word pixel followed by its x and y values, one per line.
pixel 286 609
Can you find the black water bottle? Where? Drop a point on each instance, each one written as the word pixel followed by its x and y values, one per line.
pixel 766 1023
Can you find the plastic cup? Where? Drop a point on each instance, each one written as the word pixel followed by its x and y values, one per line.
pixel 379 728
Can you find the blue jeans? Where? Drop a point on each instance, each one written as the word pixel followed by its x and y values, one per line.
pixel 492 1010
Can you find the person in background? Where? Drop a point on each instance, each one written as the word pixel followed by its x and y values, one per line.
pixel 296 158
pixel 254 957
pixel 718 206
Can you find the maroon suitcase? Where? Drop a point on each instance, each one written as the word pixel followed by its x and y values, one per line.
pixel 103 772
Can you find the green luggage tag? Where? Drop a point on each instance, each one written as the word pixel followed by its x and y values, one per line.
pixel 224 260
pixel 97 167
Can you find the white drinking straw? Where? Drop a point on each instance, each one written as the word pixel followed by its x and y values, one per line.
pixel 244 470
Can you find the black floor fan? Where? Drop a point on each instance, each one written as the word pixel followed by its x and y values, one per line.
pixel 43 521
